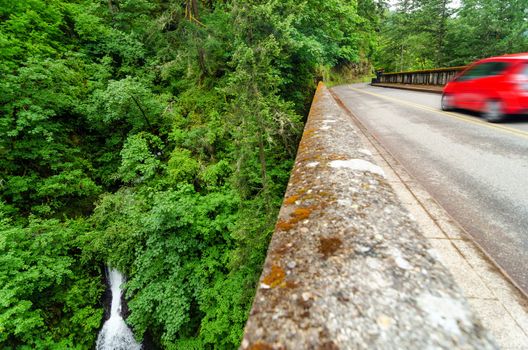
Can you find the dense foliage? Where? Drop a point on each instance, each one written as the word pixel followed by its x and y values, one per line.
pixel 420 34
pixel 156 136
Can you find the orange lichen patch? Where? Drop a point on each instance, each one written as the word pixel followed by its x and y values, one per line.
pixel 308 132
pixel 300 214
pixel 291 200
pixel 318 92
pixel 305 157
pixel 275 277
pixel 329 345
pixel 283 225
pixel 303 151
pixel 291 285
pixel 301 191
pixel 321 193
pixel 337 157
pixel 260 346
pixel 280 250
pixel 328 246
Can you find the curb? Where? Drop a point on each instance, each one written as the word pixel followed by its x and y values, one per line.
pixel 403 87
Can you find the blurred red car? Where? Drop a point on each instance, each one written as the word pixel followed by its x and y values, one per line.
pixel 496 87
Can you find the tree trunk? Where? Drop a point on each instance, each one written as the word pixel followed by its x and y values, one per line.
pixel 196 14
pixel 113 6
pixel 192 10
pixel 262 158
pixel 441 34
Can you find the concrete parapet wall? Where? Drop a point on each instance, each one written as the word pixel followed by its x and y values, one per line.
pixel 347 267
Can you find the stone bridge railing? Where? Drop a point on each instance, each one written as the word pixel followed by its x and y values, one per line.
pixel 438 77
pixel 347 267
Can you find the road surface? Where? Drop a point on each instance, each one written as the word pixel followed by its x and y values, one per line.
pixel 476 170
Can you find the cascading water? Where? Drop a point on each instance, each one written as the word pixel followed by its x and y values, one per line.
pixel 115 334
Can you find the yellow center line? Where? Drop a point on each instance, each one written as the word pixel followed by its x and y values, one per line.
pixel 505 129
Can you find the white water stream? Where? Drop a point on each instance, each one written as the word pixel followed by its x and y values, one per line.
pixel 115 334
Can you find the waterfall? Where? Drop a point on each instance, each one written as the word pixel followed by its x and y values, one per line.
pixel 115 334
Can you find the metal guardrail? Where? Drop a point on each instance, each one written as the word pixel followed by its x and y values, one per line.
pixel 438 77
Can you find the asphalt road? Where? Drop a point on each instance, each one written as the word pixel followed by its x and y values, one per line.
pixel 476 170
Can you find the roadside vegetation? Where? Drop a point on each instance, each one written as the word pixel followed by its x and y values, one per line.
pixel 157 136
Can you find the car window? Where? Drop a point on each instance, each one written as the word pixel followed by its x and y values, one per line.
pixel 484 70
pixel 524 70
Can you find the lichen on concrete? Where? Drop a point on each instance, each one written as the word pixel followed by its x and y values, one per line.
pixel 347 267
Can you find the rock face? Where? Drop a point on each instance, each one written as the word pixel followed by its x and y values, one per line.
pixel 347 267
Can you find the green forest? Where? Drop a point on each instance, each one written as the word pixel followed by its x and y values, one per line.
pixel 423 34
pixel 157 137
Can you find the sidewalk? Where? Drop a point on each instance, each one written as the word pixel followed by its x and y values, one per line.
pixel 501 307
